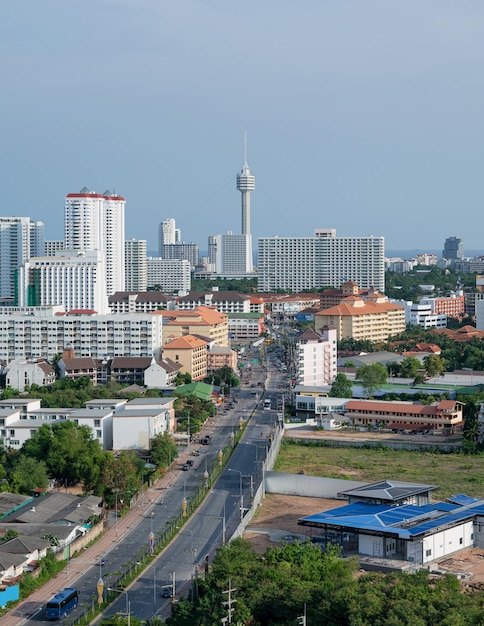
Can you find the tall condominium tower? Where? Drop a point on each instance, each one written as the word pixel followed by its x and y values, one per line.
pixel 245 184
pixel 453 249
pixel 301 263
pixel 20 238
pixel 135 255
pixel 168 234
pixel 95 221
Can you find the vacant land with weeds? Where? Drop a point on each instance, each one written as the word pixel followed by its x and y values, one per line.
pixel 453 473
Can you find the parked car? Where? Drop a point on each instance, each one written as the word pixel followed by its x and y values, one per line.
pixel 185 467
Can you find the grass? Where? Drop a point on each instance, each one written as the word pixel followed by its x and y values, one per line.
pixel 453 473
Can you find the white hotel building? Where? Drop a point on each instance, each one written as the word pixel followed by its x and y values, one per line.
pixel 94 221
pixel 33 334
pixel 74 279
pixel 304 263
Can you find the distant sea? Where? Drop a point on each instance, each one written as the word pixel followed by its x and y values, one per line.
pixel 410 254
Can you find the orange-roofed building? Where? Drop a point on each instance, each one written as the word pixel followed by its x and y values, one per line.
pixel 202 320
pixel 445 415
pixel 374 319
pixel 191 353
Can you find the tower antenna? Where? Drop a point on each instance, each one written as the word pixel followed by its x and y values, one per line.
pixel 245 146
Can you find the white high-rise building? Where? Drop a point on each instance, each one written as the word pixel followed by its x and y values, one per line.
pixel 20 238
pixel 171 276
pixel 135 258
pixel 168 234
pixel 37 238
pixel 96 222
pixel 303 263
pixel 73 279
pixel 233 254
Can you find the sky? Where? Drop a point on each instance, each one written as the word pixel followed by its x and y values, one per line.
pixel 364 116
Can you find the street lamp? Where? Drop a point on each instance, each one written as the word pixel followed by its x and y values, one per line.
pixel 128 604
pixel 241 493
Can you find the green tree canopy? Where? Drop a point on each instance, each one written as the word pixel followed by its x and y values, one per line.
pixel 409 367
pixel 434 365
pixel 27 474
pixel 163 449
pixel 372 377
pixel 341 387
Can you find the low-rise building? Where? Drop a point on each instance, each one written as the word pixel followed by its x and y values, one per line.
pixel 223 301
pixel 205 321
pixel 375 319
pixel 218 357
pixel 246 326
pixel 161 374
pixel 138 301
pixel 191 353
pixel 444 416
pixel 21 374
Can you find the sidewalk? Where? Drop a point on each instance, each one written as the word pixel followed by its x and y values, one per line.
pixel 92 555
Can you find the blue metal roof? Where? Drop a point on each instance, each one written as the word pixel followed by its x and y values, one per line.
pixel 405 521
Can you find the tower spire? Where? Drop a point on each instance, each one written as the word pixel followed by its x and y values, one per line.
pixel 245 184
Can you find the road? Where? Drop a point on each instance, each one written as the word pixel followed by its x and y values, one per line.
pixel 200 536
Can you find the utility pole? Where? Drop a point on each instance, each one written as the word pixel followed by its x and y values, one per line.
pixel 228 603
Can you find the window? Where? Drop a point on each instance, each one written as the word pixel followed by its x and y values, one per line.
pixel 428 552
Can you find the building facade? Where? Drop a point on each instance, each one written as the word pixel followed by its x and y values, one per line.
pixel 375 319
pixel 86 333
pixel 191 353
pixel 202 321
pixel 73 279
pixel 19 237
pixel 303 263
pixel 95 221
pixel 316 357
pixel 171 276
pixel 135 259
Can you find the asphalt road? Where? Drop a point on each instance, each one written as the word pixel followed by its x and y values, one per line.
pixel 204 532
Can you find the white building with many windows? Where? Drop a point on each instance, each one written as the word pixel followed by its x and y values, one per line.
pixel 74 279
pixel 171 275
pixel 316 357
pixel 85 332
pixel 20 238
pixel 135 258
pixel 95 221
pixel 303 263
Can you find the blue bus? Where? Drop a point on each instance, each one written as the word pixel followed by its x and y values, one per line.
pixel 62 603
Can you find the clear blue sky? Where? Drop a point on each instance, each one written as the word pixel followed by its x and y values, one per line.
pixel 364 116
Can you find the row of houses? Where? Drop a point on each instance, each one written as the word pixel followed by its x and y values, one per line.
pixel 50 522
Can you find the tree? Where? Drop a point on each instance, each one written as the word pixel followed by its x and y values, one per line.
pixel 372 377
pixel 434 365
pixel 341 387
pixel 409 367
pixel 163 449
pixel 69 451
pixel 28 474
